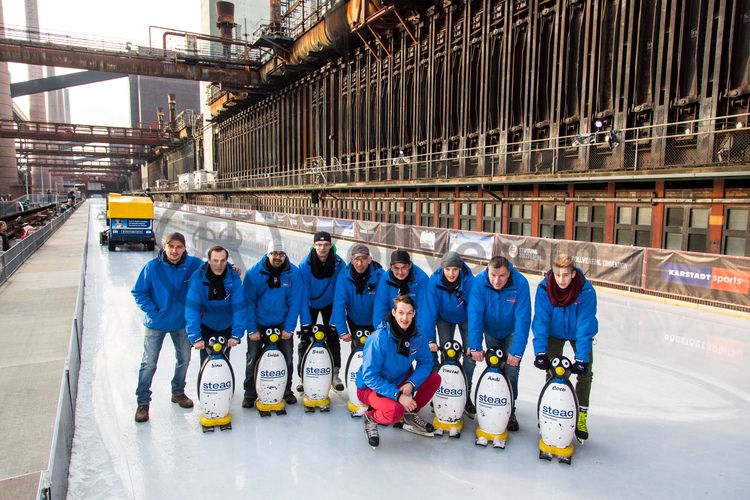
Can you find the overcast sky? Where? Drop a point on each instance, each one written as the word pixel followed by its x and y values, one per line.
pixel 104 103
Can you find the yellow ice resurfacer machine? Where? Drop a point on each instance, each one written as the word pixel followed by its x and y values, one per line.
pixel 130 219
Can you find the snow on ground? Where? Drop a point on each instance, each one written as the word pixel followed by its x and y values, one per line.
pixel 668 416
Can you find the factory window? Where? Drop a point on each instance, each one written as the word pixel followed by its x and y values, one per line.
pixel 589 223
pixel 367 210
pixel 686 229
pixel 736 229
pixel 409 214
pixel 520 219
pixel 427 213
pixel 379 211
pixel 552 222
pixel 356 211
pixel 445 214
pixel 492 217
pixel 633 226
pixel 468 216
pixel 394 213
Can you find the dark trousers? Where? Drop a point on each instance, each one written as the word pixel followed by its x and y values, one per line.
pixel 207 333
pixel 255 349
pixel 332 338
pixel 583 382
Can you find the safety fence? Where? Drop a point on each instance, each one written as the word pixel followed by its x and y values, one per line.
pixel 53 483
pixel 704 278
pixel 16 255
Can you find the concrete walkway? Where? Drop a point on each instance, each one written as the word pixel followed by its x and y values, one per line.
pixel 37 305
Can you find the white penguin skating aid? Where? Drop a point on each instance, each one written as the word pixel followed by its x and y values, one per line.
pixel 558 413
pixel 317 373
pixel 271 377
pixel 216 387
pixel 356 407
pixel 450 399
pixel 494 401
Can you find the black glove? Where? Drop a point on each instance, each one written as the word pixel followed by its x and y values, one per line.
pixel 579 368
pixel 305 332
pixel 542 361
pixel 332 330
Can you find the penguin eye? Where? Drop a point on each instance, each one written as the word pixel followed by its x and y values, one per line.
pixel 277 331
pixel 315 328
pixel 359 333
pixel 212 340
pixel 269 331
pixel 555 362
pixel 566 363
pixel 447 345
pixel 222 340
pixel 456 346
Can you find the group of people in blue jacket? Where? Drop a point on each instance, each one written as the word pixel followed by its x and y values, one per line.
pixel 410 314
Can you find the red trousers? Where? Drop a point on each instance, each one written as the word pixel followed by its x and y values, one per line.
pixel 386 411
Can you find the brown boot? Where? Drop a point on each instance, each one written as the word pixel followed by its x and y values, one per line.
pixel 141 413
pixel 183 401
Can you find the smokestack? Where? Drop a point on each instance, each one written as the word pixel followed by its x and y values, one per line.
pixel 172 100
pixel 225 23
pixel 160 118
pixel 275 24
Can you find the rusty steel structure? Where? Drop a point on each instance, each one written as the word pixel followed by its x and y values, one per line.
pixel 55 149
pixel 45 131
pixel 498 88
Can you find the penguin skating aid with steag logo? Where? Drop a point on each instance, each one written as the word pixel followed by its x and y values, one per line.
pixel 558 413
pixel 216 387
pixel 356 407
pixel 494 401
pixel 317 373
pixel 450 399
pixel 271 376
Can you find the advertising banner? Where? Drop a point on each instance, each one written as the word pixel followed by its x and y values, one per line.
pixel 366 231
pixel 401 236
pixel 611 263
pixel 525 252
pixel 307 223
pixel 344 228
pixel 470 244
pixel 325 224
pixel 428 239
pixel 713 277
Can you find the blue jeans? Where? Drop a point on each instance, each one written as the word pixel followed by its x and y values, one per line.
pixel 510 371
pixel 152 343
pixel 445 333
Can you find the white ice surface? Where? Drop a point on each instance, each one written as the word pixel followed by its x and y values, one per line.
pixel 668 415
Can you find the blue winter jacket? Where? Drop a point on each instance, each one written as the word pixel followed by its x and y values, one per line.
pixel 387 291
pixel 383 368
pixel 499 313
pixel 347 303
pixel 318 293
pixel 216 314
pixel 161 290
pixel 439 303
pixel 272 306
pixel 574 322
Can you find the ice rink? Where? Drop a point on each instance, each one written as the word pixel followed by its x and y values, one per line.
pixel 669 414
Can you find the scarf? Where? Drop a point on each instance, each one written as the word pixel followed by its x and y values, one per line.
pixel 563 298
pixel 274 273
pixel 216 290
pixel 360 279
pixel 321 270
pixel 402 285
pixel 402 336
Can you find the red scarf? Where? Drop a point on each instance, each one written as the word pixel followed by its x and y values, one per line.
pixel 563 298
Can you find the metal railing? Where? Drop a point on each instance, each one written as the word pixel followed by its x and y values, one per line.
pixel 16 255
pixel 695 143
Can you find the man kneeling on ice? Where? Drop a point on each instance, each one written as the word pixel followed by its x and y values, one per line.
pixel 386 382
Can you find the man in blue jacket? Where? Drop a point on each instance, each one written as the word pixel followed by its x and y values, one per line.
pixel 565 311
pixel 396 378
pixel 355 294
pixel 319 272
pixel 215 304
pixel 273 293
pixel 403 278
pixel 445 306
pixel 160 292
pixel 500 310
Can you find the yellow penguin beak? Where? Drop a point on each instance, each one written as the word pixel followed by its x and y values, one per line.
pixel 319 335
pixel 217 347
pixel 559 371
pixel 494 360
pixel 273 337
pixel 451 353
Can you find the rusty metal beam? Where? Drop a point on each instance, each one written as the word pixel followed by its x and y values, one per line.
pixel 43 131
pixel 82 150
pixel 167 66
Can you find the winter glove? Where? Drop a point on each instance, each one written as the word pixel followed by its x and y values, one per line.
pixel 305 332
pixel 542 361
pixel 332 330
pixel 579 367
